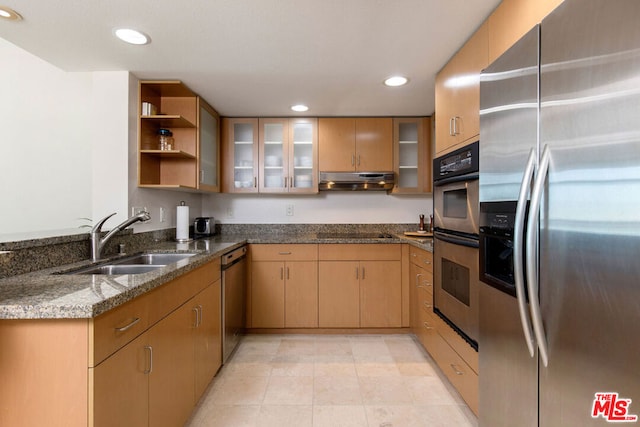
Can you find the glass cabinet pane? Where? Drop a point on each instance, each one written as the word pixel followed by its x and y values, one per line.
pixel 208 148
pixel 408 155
pixel 303 155
pixel 274 146
pixel 243 150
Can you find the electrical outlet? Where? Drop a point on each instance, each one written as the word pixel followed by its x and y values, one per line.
pixel 163 215
pixel 230 212
pixel 289 210
pixel 135 210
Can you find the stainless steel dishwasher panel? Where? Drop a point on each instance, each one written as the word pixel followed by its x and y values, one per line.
pixel 234 281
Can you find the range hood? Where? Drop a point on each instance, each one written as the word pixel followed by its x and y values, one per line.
pixel 356 181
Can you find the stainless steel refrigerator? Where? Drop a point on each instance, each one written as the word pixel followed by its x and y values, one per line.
pixel 559 341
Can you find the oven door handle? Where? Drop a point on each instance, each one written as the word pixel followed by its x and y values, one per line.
pixel 532 254
pixel 461 178
pixel 456 240
pixel 518 245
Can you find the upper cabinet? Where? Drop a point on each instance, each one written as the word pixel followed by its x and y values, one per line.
pixel 512 19
pixel 458 94
pixel 412 155
pixel 268 155
pixel 190 160
pixel 355 144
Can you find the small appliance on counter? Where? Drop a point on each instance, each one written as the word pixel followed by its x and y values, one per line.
pixel 204 226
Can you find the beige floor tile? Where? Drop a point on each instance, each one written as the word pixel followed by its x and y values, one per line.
pixel 389 390
pixel 285 416
pixel 336 391
pixel 416 416
pixel 332 368
pixel 240 391
pixel 289 391
pixel 292 369
pixel 245 369
pixel 377 369
pixel 339 416
pixel 428 391
pixel 225 416
pixel 416 369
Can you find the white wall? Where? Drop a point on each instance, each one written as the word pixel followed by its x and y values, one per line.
pixel 45 148
pixel 326 207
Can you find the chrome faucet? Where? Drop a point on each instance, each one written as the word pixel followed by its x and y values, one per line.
pixel 97 243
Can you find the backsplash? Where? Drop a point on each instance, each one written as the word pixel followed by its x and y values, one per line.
pixel 31 255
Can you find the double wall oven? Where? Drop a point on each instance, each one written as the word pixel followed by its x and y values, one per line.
pixel 456 206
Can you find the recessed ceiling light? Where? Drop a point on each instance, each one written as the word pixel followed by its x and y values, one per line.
pixel 131 36
pixel 10 14
pixel 300 108
pixel 396 81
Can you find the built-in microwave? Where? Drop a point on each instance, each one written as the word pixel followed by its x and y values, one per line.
pixel 456 191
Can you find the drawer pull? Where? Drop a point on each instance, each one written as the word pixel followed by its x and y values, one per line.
pixel 418 276
pixel 427 326
pixel 284 253
pixel 124 328
pixel 150 349
pixel 426 304
pixel 426 261
pixel 456 370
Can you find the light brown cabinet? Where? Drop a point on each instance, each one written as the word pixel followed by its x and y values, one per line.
pixel 270 155
pixel 458 361
pixel 359 286
pixel 355 144
pixel 458 94
pixel 192 163
pixel 284 286
pixel 137 364
pixel 412 155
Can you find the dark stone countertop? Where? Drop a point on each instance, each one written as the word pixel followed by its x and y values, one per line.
pixel 47 294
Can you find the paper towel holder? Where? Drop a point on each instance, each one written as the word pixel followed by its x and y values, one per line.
pixel 182 223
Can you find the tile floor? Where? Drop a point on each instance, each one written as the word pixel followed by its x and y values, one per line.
pixel 330 380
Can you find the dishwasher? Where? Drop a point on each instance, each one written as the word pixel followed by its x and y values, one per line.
pixel 234 279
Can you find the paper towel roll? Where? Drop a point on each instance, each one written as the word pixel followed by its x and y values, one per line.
pixel 182 223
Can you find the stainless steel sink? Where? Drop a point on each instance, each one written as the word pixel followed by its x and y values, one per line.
pixel 136 264
pixel 117 269
pixel 154 258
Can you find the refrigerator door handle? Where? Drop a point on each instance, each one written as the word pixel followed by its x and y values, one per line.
pixel 532 254
pixel 518 244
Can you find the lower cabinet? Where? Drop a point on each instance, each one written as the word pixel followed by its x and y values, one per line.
pixel 284 286
pixel 359 286
pixel 457 360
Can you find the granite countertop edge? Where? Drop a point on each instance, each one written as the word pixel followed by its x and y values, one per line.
pixel 48 294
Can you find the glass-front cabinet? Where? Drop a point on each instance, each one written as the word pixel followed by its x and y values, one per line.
pixel 208 134
pixel 270 155
pixel 412 155
pixel 240 155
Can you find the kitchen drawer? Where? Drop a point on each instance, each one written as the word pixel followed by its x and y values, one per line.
pixel 421 258
pixel 114 329
pixel 284 252
pixel 463 378
pixel 466 352
pixel 360 252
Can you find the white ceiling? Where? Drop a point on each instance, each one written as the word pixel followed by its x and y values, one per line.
pixel 259 57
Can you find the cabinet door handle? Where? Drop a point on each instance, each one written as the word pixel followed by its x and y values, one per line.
pixel 200 315
pixel 357 273
pixel 353 160
pixel 281 273
pixel 255 182
pixel 287 273
pixel 456 131
pixel 451 126
pixel 427 325
pixel 456 370
pixel 195 310
pixel 124 328
pixel 150 364
pixel 358 159
pixel 290 182
pixel 362 273
pixel 418 276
